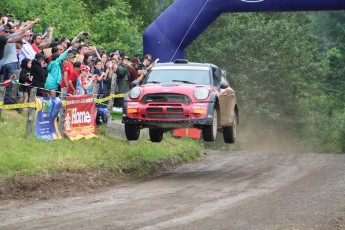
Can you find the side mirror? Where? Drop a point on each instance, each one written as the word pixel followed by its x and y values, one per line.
pixel 135 83
pixel 224 85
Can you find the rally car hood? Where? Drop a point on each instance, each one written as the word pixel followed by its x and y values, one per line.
pixel 169 87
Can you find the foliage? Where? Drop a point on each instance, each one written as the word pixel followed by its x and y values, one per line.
pixel 67 18
pixel 148 10
pixel 122 34
pixel 329 30
pixel 111 26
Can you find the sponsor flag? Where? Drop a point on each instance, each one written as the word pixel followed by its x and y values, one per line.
pixel 47 110
pixel 80 119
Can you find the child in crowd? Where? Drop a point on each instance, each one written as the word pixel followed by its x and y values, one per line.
pixel 25 78
pixel 85 80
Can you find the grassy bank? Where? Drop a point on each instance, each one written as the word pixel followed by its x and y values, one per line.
pixel 19 156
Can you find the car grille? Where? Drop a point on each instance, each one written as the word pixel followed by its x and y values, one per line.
pixel 175 110
pixel 154 110
pixel 171 98
pixel 173 116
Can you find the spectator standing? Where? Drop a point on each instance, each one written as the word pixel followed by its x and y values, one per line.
pixel 133 71
pixel 83 49
pixel 122 78
pixel 25 79
pixel 69 75
pixel 39 73
pixel 10 59
pixel 26 51
pixel 146 65
pixel 85 80
pixel 64 43
pixel 115 56
pixel 109 72
pixel 104 59
pixel 88 60
pixel 100 75
pixel 38 44
pixel 54 73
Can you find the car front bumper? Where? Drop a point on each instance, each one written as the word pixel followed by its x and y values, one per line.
pixel 168 115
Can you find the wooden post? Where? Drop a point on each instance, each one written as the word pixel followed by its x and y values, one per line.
pixel 15 87
pixel 95 88
pixel 2 96
pixel 62 111
pixel 31 114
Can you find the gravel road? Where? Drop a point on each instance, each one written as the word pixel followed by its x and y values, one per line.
pixel 224 190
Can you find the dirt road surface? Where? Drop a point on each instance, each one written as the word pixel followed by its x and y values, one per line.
pixel 224 190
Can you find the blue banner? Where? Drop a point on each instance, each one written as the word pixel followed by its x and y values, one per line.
pixel 47 110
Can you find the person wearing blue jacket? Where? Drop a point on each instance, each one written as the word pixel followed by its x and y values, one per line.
pixel 54 73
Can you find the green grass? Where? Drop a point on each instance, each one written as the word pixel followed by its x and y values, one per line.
pixel 21 156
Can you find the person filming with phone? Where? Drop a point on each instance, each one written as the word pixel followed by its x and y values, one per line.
pixel 146 65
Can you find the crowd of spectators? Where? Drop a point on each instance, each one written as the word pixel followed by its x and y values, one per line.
pixel 50 64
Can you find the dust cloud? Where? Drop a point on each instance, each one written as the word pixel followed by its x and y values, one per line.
pixel 257 135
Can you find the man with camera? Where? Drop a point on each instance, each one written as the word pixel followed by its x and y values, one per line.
pixel 146 65
pixel 77 41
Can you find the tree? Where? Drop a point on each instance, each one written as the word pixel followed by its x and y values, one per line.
pixel 67 18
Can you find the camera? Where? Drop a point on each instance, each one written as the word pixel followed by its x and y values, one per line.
pixel 86 34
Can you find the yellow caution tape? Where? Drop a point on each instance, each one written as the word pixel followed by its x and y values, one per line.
pixel 18 106
pixel 33 104
pixel 109 97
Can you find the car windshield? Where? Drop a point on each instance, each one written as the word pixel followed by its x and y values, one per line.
pixel 186 75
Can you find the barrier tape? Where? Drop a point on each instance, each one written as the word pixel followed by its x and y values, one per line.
pixel 33 104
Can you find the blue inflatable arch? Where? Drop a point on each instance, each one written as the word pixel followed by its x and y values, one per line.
pixel 168 36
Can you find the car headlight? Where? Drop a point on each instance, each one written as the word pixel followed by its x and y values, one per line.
pixel 134 93
pixel 201 93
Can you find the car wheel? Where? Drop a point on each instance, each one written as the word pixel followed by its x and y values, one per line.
pixel 209 132
pixel 229 133
pixel 156 135
pixel 132 132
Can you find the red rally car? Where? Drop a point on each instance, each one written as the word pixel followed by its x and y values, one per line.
pixel 182 94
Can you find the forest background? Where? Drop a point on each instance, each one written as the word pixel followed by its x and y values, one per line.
pixel 287 68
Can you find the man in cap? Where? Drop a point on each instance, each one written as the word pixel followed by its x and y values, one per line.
pixel 146 66
pixel 77 41
pixel 9 59
pixel 26 51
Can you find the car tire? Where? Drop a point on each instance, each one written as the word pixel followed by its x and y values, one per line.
pixel 156 135
pixel 209 132
pixel 230 133
pixel 132 132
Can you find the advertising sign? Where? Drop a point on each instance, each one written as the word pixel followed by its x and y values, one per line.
pixel 47 110
pixel 80 119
